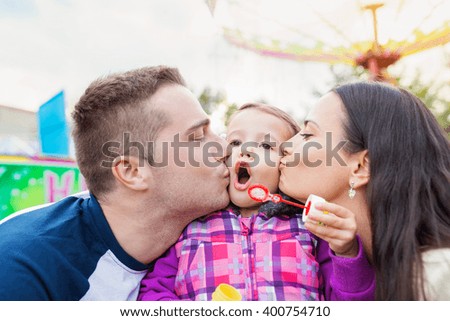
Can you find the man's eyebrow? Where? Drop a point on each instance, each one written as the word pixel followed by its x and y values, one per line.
pixel 201 123
pixel 310 121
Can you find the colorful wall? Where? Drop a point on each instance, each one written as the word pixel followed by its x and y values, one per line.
pixel 26 182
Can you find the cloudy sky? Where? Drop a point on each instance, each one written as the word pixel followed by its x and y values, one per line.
pixel 49 45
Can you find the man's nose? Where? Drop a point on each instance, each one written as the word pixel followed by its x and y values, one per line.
pixel 224 151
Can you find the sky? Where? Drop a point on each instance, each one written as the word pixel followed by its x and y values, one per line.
pixel 52 45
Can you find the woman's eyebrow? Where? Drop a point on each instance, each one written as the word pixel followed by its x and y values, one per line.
pixel 305 123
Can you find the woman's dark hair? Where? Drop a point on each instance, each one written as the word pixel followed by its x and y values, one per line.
pixel 408 193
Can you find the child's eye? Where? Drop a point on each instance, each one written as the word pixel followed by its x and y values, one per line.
pixel 265 145
pixel 305 136
pixel 235 142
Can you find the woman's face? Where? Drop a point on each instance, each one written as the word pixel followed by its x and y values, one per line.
pixel 315 161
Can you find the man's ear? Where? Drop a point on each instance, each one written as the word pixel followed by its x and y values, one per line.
pixel 132 172
pixel 360 169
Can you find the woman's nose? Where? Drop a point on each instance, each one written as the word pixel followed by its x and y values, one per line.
pixel 286 149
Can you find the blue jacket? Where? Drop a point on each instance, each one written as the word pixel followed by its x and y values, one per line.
pixel 65 251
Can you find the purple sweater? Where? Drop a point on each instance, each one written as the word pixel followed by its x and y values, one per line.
pixel 343 278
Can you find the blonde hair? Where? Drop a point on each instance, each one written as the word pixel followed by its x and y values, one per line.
pixel 271 110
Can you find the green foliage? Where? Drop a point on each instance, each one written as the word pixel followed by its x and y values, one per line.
pixel 211 100
pixel 432 94
pixel 340 75
pixel 232 108
pixel 433 97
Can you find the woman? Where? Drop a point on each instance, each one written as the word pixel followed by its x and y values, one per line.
pixel 379 157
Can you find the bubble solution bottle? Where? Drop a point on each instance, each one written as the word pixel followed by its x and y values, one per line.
pixel 226 292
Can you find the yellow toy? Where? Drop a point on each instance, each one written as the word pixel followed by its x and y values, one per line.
pixel 226 292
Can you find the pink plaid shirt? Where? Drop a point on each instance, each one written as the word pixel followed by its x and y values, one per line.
pixel 264 258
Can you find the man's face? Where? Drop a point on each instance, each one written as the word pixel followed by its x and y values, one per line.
pixel 190 178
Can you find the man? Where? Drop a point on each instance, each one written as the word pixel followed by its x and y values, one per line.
pixel 152 165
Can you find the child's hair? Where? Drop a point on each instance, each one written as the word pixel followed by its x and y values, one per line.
pixel 271 110
pixel 269 208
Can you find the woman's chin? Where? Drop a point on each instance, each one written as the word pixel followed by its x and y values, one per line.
pixel 283 187
pixel 291 192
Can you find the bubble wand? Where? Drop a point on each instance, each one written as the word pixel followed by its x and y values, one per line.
pixel 260 193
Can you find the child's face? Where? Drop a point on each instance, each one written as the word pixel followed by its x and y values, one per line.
pixel 256 137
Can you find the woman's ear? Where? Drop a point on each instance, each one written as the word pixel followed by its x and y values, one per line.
pixel 132 172
pixel 360 172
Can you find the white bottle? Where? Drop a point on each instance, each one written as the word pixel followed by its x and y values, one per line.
pixel 310 206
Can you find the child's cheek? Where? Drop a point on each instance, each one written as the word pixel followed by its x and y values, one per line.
pixel 275 158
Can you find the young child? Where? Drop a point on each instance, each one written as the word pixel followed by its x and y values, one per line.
pixel 263 250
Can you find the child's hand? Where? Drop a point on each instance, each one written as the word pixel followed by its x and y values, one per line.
pixel 338 228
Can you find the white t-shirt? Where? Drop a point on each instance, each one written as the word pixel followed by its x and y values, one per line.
pixel 436 273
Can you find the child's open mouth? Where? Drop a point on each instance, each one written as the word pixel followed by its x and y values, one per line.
pixel 242 180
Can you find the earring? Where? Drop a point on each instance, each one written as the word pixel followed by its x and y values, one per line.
pixel 351 191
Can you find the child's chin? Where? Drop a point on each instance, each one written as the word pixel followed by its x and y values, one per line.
pixel 242 201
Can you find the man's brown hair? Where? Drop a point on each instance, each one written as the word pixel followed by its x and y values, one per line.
pixel 111 108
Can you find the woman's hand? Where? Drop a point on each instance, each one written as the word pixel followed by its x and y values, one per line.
pixel 338 228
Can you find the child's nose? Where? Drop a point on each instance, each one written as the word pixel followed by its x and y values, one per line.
pixel 245 154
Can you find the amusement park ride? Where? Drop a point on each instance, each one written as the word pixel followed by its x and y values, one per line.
pixel 374 56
